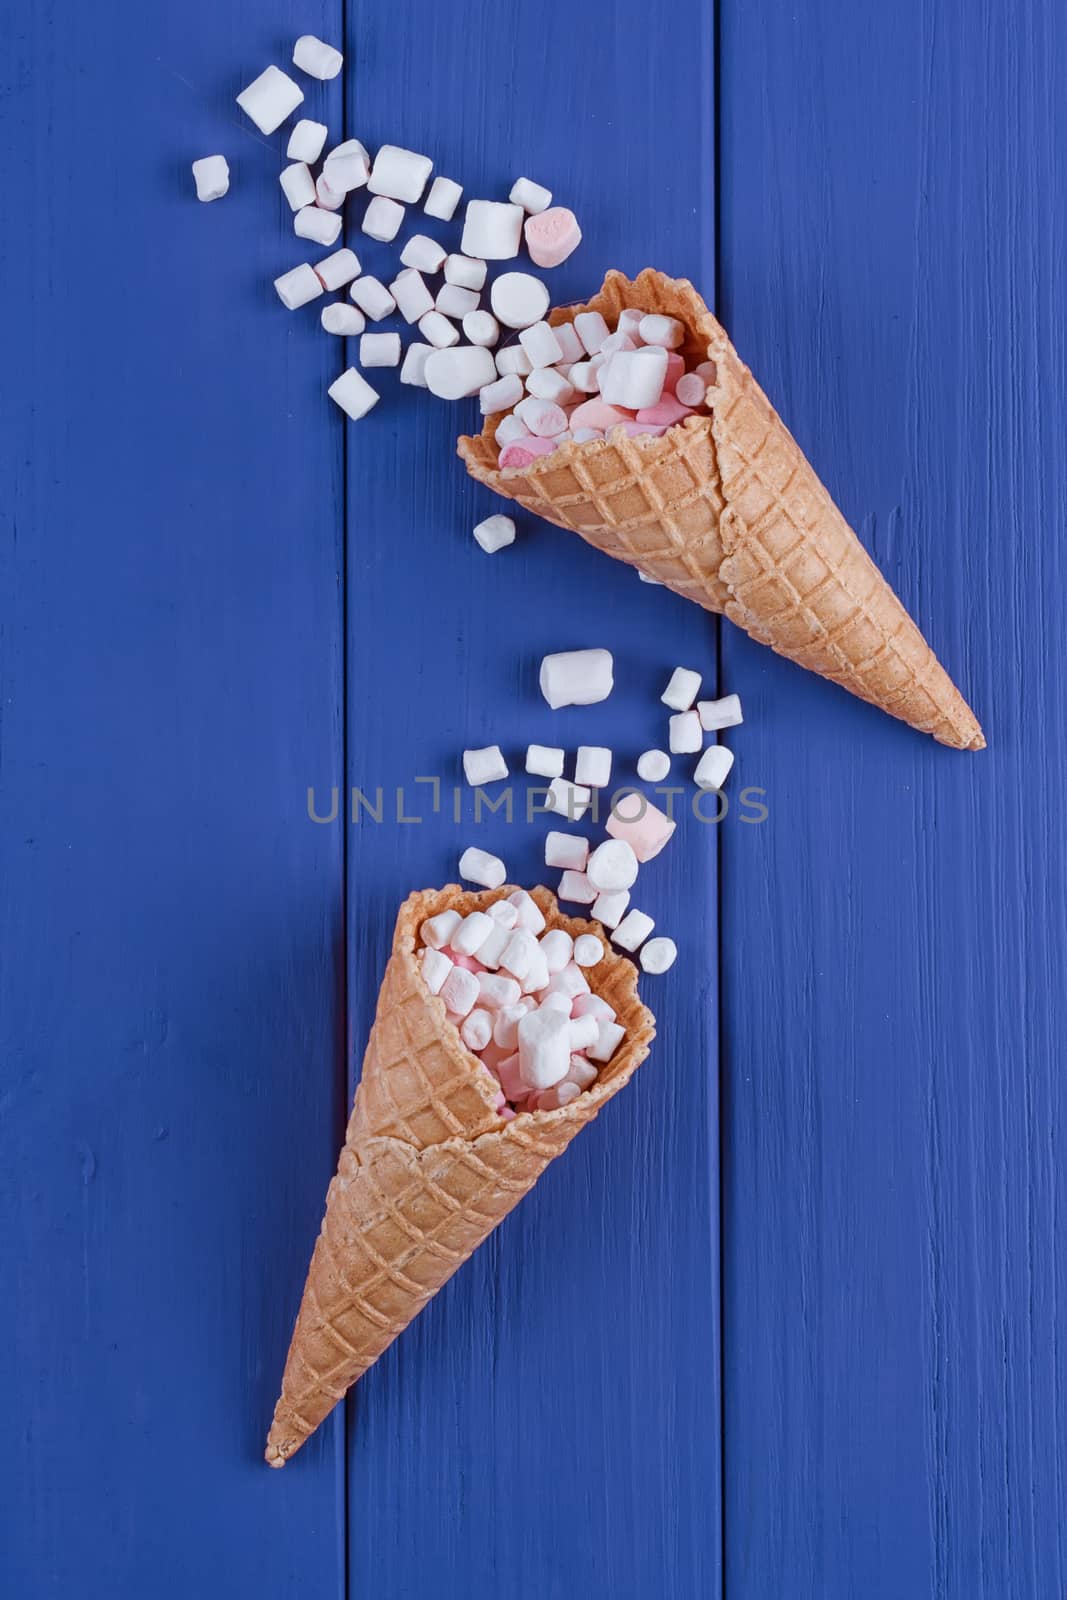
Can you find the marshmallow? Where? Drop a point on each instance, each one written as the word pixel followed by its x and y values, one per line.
pixel 552 236
pixel 592 1005
pixel 641 824
pixel 575 887
pixel 617 341
pixel 544 1048
pixel 306 140
pixel 569 342
pixel 465 271
pixel 548 383
pixel 455 301
pixel 297 286
pixel 494 991
pixel 493 948
pixel 423 253
pixel 647 578
pixel 519 300
pixel 567 850
pixel 584 1031
pixel 399 174
pixel 505 913
pixel 576 677
pixel 523 453
pixel 557 947
pixel 555 1099
pixel 588 950
pixel 347 166
pixel 326 197
pixel 682 690
pixel 439 332
pixel 460 992
pixel 593 766
pixel 477 1029
pixel 571 800
pixel 633 930
pixel 312 222
pixel 318 60
pixel 484 766
pixel 581 1073
pixel 379 350
pixel 414 369
pixel 592 330
pixel 667 332
pixel 270 98
pixel 435 968
pixel 211 174
pixel 437 931
pixel 372 298
pixel 338 269
pixel 541 344
pixel 543 419
pixel 633 379
pixel 480 328
pixel 610 906
pixel 658 954
pixel 545 761
pixel 342 319
pixel 491 230
pixel 472 933
pixel 520 953
pixel 707 370
pixel 500 395
pixel 495 532
pixel 382 219
pixel 353 394
pixel 665 413
pixel 584 376
pixel 530 915
pixel 443 198
pixel 530 196
pixel 583 435
pixel 508 430
pixel 413 298
pixel 629 321
pixel 508 1073
pixel 653 766
pixel 612 866
pixel 453 374
pixel 724 713
pixel 713 767
pixel 478 866
pixel 595 414
pixel 609 1037
pixel 555 1001
pixel 690 389
pixel 513 358
pixel 686 734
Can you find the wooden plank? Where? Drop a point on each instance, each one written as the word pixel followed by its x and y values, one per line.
pixel 549 1425
pixel 892 244
pixel 170 533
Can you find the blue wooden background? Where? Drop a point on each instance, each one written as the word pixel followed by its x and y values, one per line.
pixel 213 595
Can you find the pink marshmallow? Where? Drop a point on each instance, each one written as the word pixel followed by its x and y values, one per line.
pixel 597 414
pixel 591 1005
pixel 521 455
pixel 634 429
pixel 510 1081
pixel 641 824
pixel 667 412
pixel 458 959
pixel 552 236
pixel 690 389
pixel 675 370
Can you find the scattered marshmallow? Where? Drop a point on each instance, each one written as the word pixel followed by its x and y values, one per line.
pixel 612 866
pixel 437 931
pixel 443 198
pixel 712 769
pixel 530 196
pixel 500 395
pixel 455 301
pixel 270 98
pixel 632 931
pixel 379 350
pixel 338 270
pixel 382 219
pixel 686 735
pixel 465 271
pixel 211 174
pixel 478 866
pixel 592 330
pixel 486 765
pixel 312 222
pixel 644 826
pixel 577 677
pixel 653 766
pixel 347 167
pixel 540 343
pixel 658 954
pixel 682 690
pixel 399 174
pixel 413 298
pixel 372 298
pixel 513 358
pixel 306 140
pixel 460 991
pixel 569 799
pixel 609 907
pixel 326 197
pixel 547 383
pixel 438 331
pixel 454 374
pixel 495 532
pixel 353 394
pixel 341 319
pixel 519 300
pixel 552 236
pixel 588 950
pixel 593 766
pixel 633 379
pixel 543 419
pixel 297 286
pixel 546 761
pixel 317 59
pixel 414 369
pixel 480 328
pixel 575 887
pixel 667 332
pixel 435 967
pixel 491 230
pixel 716 714
pixel 423 253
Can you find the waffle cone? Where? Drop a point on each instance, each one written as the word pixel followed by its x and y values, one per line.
pixel 726 510
pixel 428 1167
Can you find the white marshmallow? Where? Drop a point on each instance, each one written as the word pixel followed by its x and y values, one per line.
pixel 588 950
pixel 612 866
pixel 530 915
pixel 666 332
pixel 508 429
pixel 423 253
pixel 436 931
pixel 443 198
pixel 544 1048
pixel 513 358
pixel 557 947
pixel 555 1001
pixel 716 714
pixel 575 887
pixel 584 376
pixel 690 389
pixel 633 930
pixel 326 197
pixel 592 330
pixel 382 219
pixel 379 350
pixel 542 417
pixel 465 271
pixel 312 222
pixel 500 395
pixel 486 765
pixel 548 383
pixel 492 230
pixel 545 761
pixel 658 954
pixel 520 953
pixel 569 342
pixel 653 766
pixel 480 328
pixel 577 677
pixel 297 286
pixel 341 319
pixel 306 140
pixel 567 850
pixel 617 341
pixel 712 769
pixel 686 735
pixel 518 300
pixel 270 98
pixel 338 269
pixel 629 321
pixel 495 532
pixel 400 174
pixel 493 948
pixel 211 174
pixel 505 913
pixel 438 331
pixel 506 1026
pixel 593 766
pixel 570 800
pixel 318 60
pixel 435 967
pixel 460 991
pixel 495 991
pixel 454 374
pixel 413 298
pixel 472 933
pixel 353 394
pixel 347 166
pixel 414 369
pixel 609 1037
pixel 532 197
pixel 541 344
pixel 478 866
pixel 682 690
pixel 633 380
pixel 477 1030
pixel 609 907
pixel 584 1031
pixel 455 301
pixel 372 298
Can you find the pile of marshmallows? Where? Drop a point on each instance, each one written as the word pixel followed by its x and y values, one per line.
pixel 521 1001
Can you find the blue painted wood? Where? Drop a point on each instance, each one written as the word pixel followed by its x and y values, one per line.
pixel 891 266
pixel 171 662
pixel 549 1425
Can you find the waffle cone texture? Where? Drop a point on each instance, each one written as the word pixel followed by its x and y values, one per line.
pixel 428 1167
pixel 726 510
